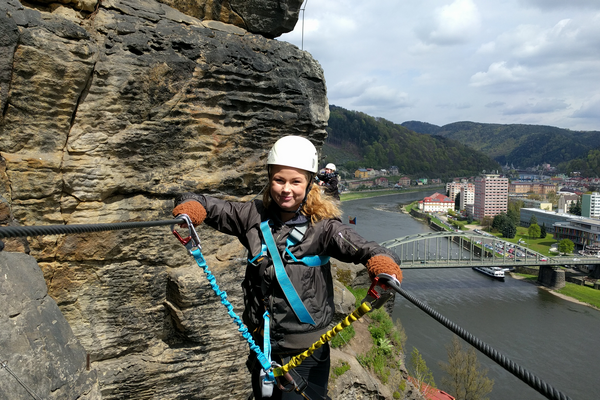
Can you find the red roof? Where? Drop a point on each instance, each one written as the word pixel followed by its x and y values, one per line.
pixel 431 393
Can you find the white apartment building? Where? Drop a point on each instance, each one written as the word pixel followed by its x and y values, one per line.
pixel 466 190
pixel 590 205
pixel 491 196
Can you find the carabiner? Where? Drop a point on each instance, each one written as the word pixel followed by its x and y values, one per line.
pixel 378 298
pixel 192 240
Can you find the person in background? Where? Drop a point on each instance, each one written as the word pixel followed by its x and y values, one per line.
pixel 304 225
pixel 329 180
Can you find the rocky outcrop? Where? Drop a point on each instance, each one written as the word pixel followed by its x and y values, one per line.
pixel 105 117
pixel 265 17
pixel 39 355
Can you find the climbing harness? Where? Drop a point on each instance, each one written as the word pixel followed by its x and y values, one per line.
pixel 282 277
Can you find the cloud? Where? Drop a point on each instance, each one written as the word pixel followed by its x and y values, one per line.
pixel 590 109
pixel 455 106
pixel 499 74
pixel 561 4
pixel 350 89
pixel 385 97
pixel 495 104
pixel 452 24
pixel 540 107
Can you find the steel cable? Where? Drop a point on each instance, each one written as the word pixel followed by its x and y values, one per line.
pixel 20 231
pixel 533 381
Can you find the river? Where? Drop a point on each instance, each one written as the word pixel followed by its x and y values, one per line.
pixel 550 337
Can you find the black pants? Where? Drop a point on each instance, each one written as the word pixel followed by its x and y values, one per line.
pixel 314 370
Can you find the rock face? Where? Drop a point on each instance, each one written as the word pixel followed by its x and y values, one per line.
pixel 265 17
pixel 105 117
pixel 46 361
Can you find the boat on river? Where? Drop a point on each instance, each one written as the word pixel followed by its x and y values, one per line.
pixel 494 272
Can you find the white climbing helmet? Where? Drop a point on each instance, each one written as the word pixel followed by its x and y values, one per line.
pixel 330 166
pixel 294 151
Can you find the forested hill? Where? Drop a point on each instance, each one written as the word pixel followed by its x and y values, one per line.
pixel 517 144
pixel 358 140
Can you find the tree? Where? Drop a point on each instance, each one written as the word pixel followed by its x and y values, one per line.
pixel 533 220
pixel 500 221
pixel 543 232
pixel 457 202
pixel 534 231
pixel 509 230
pixel 566 246
pixel 514 216
pixel 467 379
pixel 575 208
pixel 419 369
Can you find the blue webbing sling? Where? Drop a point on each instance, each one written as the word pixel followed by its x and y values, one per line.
pixel 284 281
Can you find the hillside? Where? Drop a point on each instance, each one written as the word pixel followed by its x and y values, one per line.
pixel 358 140
pixel 517 144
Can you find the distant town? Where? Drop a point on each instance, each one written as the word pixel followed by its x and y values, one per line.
pixel 567 207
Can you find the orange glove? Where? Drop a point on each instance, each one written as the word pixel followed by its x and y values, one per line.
pixel 193 209
pixel 382 264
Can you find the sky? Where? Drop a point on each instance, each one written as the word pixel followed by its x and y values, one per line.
pixel 443 61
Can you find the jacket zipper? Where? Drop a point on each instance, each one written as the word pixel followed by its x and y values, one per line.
pixel 347 241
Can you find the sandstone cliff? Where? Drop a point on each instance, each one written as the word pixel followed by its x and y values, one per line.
pixel 105 117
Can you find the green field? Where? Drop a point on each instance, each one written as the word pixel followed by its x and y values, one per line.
pixel 542 246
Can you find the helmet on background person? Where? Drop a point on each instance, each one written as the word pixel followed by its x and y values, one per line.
pixel 330 166
pixel 295 152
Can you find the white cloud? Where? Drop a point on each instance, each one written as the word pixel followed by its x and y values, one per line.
pixel 452 24
pixel 561 4
pixel 383 97
pixel 499 74
pixel 589 109
pixel 537 107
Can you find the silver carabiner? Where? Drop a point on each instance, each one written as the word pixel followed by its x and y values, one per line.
pixel 192 240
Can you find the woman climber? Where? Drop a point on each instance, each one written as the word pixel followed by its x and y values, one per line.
pixel 290 235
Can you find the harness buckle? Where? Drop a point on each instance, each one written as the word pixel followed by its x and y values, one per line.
pixel 379 292
pixel 192 240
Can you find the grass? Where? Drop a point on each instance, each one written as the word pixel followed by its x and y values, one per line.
pixel 582 293
pixel 368 193
pixel 540 245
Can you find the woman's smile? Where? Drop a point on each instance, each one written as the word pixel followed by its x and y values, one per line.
pixel 288 187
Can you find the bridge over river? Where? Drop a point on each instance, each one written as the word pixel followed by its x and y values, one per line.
pixel 465 250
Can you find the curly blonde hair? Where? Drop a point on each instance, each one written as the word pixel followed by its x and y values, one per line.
pixel 318 206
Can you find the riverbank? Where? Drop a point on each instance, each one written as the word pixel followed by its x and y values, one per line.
pixel 533 279
pixel 348 196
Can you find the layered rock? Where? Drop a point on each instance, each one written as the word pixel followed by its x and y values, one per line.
pixel 47 361
pixel 105 117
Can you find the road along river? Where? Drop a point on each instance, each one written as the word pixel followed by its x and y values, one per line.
pixel 552 338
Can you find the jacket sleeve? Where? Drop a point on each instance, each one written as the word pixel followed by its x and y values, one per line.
pixel 232 218
pixel 344 244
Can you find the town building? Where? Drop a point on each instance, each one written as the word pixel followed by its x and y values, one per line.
pixel 582 231
pixel 566 200
pixel 361 173
pixel 544 218
pixel 383 182
pixel 491 196
pixel 467 195
pixel 531 187
pixel 404 181
pixel 466 190
pixel 590 205
pixel 437 202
